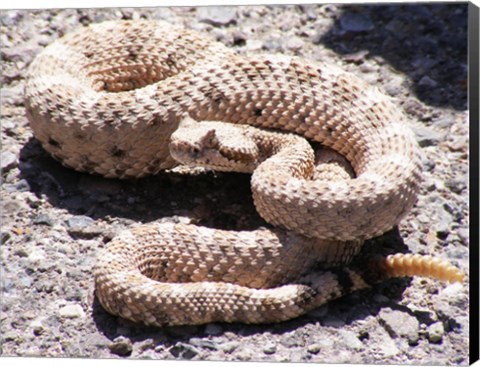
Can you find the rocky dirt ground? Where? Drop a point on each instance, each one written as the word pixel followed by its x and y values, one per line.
pixel 54 220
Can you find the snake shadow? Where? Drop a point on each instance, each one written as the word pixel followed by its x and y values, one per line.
pixel 217 200
pixel 427 42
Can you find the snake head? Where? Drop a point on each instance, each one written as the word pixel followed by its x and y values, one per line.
pixel 215 145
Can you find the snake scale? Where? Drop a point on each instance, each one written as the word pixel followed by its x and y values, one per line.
pixel 113 98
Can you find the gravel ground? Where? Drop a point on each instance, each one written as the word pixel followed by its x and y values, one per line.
pixel 55 220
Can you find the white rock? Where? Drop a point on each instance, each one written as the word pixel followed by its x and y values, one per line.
pixel 72 311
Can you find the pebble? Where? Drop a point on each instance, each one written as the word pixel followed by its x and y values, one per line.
pixel 4 237
pixel 426 81
pixel 388 348
pixel 203 343
pixel 22 185
pixel 12 95
pixel 436 332
pixel 313 348
pixel 451 295
pixel 309 10
pixel 400 324
pixel 356 22
pixel 464 234
pixel 79 221
pixel 43 219
pixel 229 347
pixel 184 351
pixel 83 227
pixel 217 15
pixel 22 53
pixel 394 88
pixel 427 137
pixel 295 43
pixel 239 38
pixel 273 44
pixel 443 221
pixel 458 144
pixel 121 346
pixel 269 348
pixel 8 160
pixel 351 340
pixel 37 327
pixel 72 311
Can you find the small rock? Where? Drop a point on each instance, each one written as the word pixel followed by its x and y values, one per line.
pixel 443 220
pixel 294 43
pixel 254 45
pixel 313 348
pixel 309 10
pixel 6 285
pixel 8 160
pixel 36 255
pixel 12 95
pixel 426 81
pixel 203 343
pixel 450 300
pixel 394 88
pixel 121 346
pixel 22 53
pixel 10 17
pixel 350 339
pixel 458 144
pixel 436 332
pixel 4 237
pixel 184 351
pixel 464 235
pixel 83 227
pixel 37 327
pixel 400 324
pixel 356 22
pixel 427 136
pixel 213 329
pixel 388 348
pixel 228 347
pixel 79 221
pixel 11 335
pixel 72 311
pixel 22 185
pixel 269 348
pixel 272 44
pixel 444 122
pixel 239 38
pixel 26 281
pixel 217 15
pixel 43 219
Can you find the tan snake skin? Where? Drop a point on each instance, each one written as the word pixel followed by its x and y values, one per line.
pixel 106 100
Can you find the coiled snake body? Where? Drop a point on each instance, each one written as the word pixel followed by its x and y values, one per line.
pixel 107 99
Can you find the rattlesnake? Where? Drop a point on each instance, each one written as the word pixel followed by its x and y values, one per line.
pixel 107 98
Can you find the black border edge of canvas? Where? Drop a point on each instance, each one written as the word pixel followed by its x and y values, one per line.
pixel 473 87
